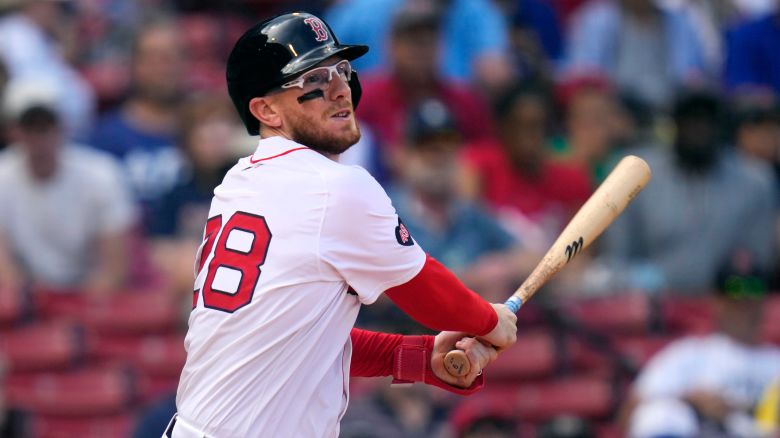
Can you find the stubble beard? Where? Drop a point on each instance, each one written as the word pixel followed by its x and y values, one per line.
pixel 308 132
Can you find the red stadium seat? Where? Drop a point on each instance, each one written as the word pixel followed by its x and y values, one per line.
pixel 640 349
pixel 583 356
pixel 585 397
pixel 687 315
pixel 41 347
pixel 11 305
pixel 531 357
pixel 43 426
pixel 630 313
pixel 536 402
pixel 141 312
pixel 150 388
pixel 157 355
pixel 771 325
pixel 84 392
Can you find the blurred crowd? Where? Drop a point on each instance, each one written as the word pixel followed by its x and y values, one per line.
pixel 489 123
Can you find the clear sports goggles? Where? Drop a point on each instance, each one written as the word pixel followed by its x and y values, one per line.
pixel 319 78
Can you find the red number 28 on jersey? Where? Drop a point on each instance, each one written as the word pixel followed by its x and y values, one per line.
pixel 235 268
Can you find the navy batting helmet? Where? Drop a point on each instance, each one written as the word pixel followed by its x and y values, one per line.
pixel 276 50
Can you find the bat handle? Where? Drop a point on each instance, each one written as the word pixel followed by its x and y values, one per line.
pixel 514 302
pixel 456 363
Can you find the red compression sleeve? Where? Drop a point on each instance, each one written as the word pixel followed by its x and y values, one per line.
pixel 372 353
pixel 406 358
pixel 438 300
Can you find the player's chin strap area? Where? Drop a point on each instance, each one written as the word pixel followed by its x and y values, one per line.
pixel 354 86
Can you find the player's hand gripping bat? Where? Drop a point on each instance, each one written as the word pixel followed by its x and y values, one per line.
pixel 621 186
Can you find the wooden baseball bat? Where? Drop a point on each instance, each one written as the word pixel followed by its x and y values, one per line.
pixel 622 185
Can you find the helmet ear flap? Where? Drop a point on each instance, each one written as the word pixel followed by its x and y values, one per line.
pixel 357 90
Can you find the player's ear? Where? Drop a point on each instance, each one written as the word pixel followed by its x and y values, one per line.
pixel 264 111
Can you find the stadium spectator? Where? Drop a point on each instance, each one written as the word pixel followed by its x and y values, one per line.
pixel 209 126
pixel 474 39
pixel 12 422
pixel 645 50
pixel 751 57
pixel 768 410
pixel 35 37
pixel 536 37
pixel 593 124
pixel 141 133
pixel 412 78
pixel 458 233
pixel 533 195
pixel 390 412
pixel 154 418
pixel 491 427
pixel 757 135
pixel 705 202
pixel 3 83
pixel 757 126
pixel 709 385
pixel 565 426
pixel 64 210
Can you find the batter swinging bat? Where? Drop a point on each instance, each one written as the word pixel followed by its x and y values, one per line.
pixel 625 181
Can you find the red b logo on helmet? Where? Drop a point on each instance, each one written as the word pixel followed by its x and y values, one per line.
pixel 318 28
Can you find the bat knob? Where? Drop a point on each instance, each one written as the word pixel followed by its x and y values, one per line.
pixel 456 363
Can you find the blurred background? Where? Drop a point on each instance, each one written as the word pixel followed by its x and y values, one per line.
pixel 489 122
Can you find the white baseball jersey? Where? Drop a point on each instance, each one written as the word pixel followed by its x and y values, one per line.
pixel 268 349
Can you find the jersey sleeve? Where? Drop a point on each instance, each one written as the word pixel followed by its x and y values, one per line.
pixel 362 238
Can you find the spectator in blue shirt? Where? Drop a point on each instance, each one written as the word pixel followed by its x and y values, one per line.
pixel 647 51
pixel 474 36
pixel 141 133
pixel 208 127
pixel 458 233
pixel 536 36
pixel 753 54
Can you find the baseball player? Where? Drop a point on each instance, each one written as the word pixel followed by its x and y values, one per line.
pixel 295 243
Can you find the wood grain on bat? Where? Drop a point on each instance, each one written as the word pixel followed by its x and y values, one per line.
pixel 620 187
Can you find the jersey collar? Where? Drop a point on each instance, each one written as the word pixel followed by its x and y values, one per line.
pixel 273 147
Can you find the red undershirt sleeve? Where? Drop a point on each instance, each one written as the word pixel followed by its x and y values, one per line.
pixel 438 300
pixel 406 358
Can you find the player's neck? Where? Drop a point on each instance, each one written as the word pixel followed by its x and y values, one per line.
pixel 267 132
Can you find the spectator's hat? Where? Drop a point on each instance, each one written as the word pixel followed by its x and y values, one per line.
pixel 429 120
pixel 751 109
pixel 741 278
pixel 572 86
pixel 21 96
pixel 698 102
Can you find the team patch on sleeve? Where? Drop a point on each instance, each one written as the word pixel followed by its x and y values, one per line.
pixel 402 234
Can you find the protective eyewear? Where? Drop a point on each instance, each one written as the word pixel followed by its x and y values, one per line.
pixel 319 78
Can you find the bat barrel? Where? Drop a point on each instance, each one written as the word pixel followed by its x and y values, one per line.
pixel 615 193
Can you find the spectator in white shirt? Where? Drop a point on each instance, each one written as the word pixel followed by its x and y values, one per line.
pixel 65 212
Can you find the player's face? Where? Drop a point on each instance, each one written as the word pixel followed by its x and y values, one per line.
pixel 326 124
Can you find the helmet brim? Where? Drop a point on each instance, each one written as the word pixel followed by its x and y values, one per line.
pixel 308 60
